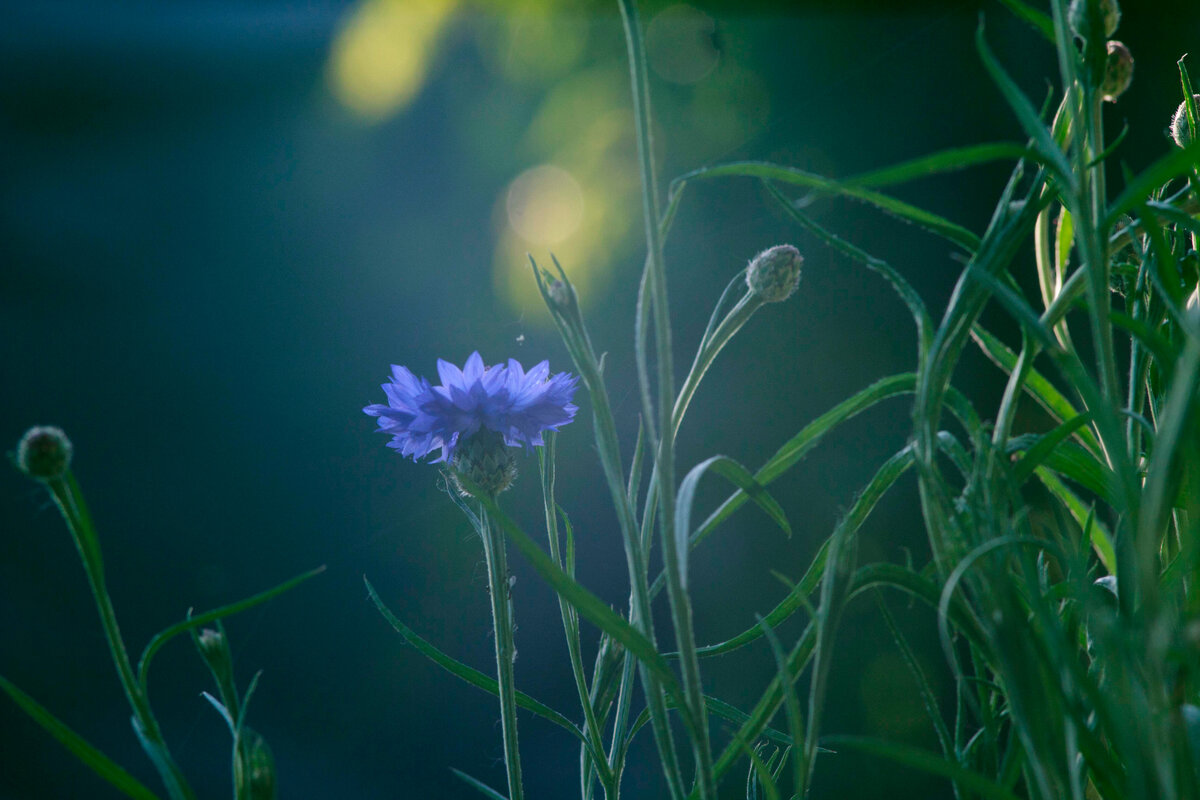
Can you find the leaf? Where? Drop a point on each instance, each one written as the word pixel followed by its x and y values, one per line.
pixel 897 208
pixel 577 595
pixel 1044 144
pixel 164 636
pixel 1039 20
pixel 1045 445
pixel 1035 385
pixel 1101 539
pixel 1178 162
pixel 483 788
pixel 944 161
pixel 809 436
pixel 99 763
pixel 916 306
pixel 924 761
pixel 469 674
pixel 739 476
pixel 797 598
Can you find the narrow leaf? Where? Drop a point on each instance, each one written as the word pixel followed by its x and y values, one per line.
pixel 101 764
pixel 924 761
pixel 739 476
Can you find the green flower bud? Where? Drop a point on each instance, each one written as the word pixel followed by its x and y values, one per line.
pixel 774 273
pixel 214 649
pixel 44 453
pixel 1118 71
pixel 1081 13
pixel 486 461
pixel 1181 129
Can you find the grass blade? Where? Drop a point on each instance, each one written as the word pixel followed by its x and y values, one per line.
pixel 99 763
pixel 469 674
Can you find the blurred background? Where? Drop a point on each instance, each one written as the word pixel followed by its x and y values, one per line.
pixel 220 222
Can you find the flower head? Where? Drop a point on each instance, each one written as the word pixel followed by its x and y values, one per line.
pixel 774 273
pixel 505 399
pixel 44 453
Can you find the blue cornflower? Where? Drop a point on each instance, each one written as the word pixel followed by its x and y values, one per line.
pixel 518 406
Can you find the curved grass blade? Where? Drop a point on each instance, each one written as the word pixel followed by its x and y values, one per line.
pixel 809 436
pixel 587 603
pixel 469 674
pixel 1083 515
pixel 99 763
pixel 897 208
pixel 1036 385
pixel 739 476
pixel 925 761
pixel 482 787
pixel 166 635
pixel 916 305
pixel 1136 192
pixel 1051 154
pixel 944 161
pixel 928 698
pixel 791 704
pixel 797 598
pixel 1039 20
pixel 1046 443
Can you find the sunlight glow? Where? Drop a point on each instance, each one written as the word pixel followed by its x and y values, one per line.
pixel 380 58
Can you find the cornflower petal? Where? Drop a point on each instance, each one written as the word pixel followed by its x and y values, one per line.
pixel 504 398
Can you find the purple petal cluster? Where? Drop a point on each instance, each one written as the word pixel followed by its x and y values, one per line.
pixel 504 398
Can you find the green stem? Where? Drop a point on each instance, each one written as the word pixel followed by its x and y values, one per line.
pixel 506 652
pixel 681 611
pixel 69 499
pixel 570 620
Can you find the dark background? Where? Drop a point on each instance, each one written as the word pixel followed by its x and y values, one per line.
pixel 221 222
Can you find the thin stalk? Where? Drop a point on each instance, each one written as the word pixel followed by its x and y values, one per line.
pixel 69 499
pixel 738 316
pixel 681 611
pixel 578 343
pixel 506 651
pixel 570 620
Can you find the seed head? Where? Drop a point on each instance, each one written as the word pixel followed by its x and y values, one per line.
pixel 774 273
pixel 1181 129
pixel 1079 17
pixel 1118 71
pixel 44 453
pixel 484 459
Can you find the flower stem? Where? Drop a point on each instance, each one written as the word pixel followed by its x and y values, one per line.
pixel 69 499
pixel 681 611
pixel 506 651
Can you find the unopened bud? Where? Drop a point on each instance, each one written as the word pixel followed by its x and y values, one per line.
pixel 560 294
pixel 774 273
pixel 1181 129
pixel 44 453
pixel 485 460
pixel 1118 71
pixel 1081 13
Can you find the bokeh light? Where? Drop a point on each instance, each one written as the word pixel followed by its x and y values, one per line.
pixel 545 205
pixel 680 44
pixel 380 58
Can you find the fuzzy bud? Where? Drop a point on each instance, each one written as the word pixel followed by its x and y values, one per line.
pixel 774 273
pixel 214 649
pixel 1181 129
pixel 1080 14
pixel 44 453
pixel 486 461
pixel 1118 71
